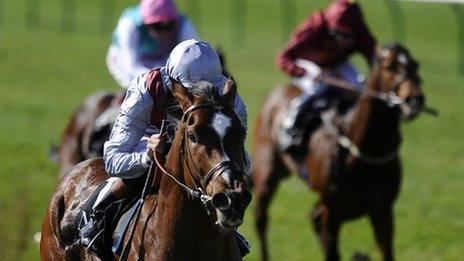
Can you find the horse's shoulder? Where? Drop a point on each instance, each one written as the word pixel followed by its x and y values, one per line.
pixel 88 169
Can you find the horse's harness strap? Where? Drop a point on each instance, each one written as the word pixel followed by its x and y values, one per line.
pixel 354 150
pixel 218 105
pixel 346 143
pixel 219 169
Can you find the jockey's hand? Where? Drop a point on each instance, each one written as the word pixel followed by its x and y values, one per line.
pixel 155 143
pixel 312 69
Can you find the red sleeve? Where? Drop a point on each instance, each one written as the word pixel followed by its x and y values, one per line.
pixel 305 33
pixel 154 84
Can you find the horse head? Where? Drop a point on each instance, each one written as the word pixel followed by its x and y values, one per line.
pixel 211 139
pixel 397 72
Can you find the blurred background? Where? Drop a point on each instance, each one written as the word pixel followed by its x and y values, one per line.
pixel 52 55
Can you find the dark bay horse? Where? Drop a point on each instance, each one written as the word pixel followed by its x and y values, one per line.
pixel 353 161
pixel 80 140
pixel 207 152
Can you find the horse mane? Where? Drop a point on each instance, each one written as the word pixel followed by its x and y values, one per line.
pixel 173 157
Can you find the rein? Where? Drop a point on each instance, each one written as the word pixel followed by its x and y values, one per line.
pixel 390 98
pixel 194 193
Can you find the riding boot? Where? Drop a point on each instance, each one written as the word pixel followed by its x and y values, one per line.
pixel 92 221
pixel 293 129
pixel 243 244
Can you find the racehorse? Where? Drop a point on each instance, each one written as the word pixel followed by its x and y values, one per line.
pixel 82 139
pixel 201 197
pixel 353 161
pixel 84 135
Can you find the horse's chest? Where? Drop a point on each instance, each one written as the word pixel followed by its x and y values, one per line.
pixel 361 186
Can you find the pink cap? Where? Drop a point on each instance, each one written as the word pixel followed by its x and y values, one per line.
pixel 155 11
pixel 344 15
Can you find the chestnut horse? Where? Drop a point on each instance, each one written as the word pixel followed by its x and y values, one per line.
pixel 207 154
pixel 353 161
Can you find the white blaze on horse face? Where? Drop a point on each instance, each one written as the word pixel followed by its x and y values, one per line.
pixel 221 123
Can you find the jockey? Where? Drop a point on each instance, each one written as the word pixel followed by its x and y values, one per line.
pixel 135 135
pixel 323 42
pixel 144 37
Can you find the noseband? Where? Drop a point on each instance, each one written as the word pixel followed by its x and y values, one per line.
pixel 216 171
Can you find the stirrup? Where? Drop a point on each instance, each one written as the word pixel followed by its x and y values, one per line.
pixel 92 225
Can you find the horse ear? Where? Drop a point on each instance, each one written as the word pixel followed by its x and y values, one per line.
pixel 378 50
pixel 181 94
pixel 229 91
pixel 383 57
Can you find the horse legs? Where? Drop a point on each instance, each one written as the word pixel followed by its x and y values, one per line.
pixel 382 221
pixel 327 227
pixel 266 176
pixel 315 217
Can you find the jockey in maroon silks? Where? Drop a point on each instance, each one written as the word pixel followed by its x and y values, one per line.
pixel 324 41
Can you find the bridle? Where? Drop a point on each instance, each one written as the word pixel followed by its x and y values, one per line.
pixel 390 96
pixel 198 192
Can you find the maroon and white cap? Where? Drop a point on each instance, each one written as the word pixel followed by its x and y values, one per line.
pixel 344 16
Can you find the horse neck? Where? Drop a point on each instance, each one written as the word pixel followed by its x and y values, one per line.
pixel 375 126
pixel 188 224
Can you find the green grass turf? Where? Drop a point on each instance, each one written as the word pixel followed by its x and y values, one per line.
pixel 45 73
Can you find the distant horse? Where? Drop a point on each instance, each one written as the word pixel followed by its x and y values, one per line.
pixel 207 154
pixel 353 161
pixel 83 137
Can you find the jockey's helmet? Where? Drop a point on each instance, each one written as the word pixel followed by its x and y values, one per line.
pixel 191 62
pixel 158 11
pixel 344 16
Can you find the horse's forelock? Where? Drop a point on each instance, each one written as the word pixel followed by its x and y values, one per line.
pixel 202 89
pixel 399 49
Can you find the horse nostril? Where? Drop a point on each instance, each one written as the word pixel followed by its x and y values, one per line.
pixel 236 184
pixel 221 201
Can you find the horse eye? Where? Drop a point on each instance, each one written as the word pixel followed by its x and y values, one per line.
pixel 192 137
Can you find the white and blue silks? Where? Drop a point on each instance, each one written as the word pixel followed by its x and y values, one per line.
pixel 133 51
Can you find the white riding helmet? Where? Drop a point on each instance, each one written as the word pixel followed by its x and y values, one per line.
pixel 191 62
